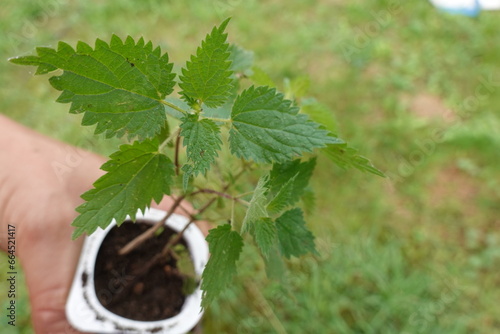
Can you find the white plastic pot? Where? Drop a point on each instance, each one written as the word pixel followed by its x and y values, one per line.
pixel 85 312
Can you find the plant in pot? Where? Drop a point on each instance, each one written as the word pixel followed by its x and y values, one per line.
pixel 204 144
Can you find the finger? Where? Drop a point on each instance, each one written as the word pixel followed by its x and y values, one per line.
pixel 49 259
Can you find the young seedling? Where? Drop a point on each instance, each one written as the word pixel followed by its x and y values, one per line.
pixel 176 145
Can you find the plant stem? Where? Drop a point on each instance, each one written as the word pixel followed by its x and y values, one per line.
pixel 217 119
pixel 173 135
pixel 174 240
pixel 173 106
pixel 187 212
pixel 165 251
pixel 150 231
pixel 176 156
pixel 244 194
pixel 221 194
pixel 232 214
pixel 177 238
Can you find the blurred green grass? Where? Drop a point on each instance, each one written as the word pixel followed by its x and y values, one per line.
pixel 415 254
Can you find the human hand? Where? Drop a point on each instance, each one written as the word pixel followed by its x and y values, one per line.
pixel 41 182
pixel 40 200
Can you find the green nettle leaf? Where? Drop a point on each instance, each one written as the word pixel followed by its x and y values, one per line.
pixel 187 179
pixel 241 59
pixel 136 175
pixel 179 104
pixel 297 87
pixel 283 198
pixel 202 141
pixel 257 207
pixel 223 111
pixel 275 265
pixel 340 153
pixel 118 86
pixel 300 172
pixel 321 114
pixel 225 247
pixel 294 237
pixel 345 156
pixel 309 200
pixel 267 128
pixel 261 78
pixel 207 76
pixel 265 235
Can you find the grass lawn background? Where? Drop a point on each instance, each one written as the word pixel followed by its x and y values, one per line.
pixel 416 253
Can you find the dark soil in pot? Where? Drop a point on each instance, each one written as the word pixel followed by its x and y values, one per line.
pixel 124 288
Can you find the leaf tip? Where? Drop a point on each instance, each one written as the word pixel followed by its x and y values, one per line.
pixel 116 41
pixel 24 60
pixel 140 41
pixel 100 44
pixel 224 24
pixel 77 233
pixel 14 60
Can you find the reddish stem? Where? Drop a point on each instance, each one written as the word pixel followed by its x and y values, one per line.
pixel 134 243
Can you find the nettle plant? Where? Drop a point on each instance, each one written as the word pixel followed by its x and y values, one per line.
pixel 215 130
